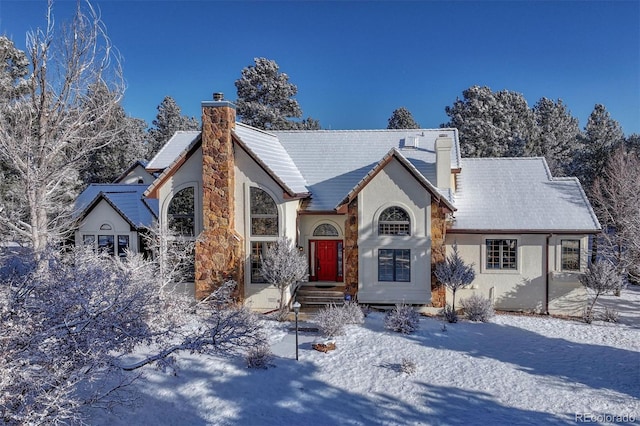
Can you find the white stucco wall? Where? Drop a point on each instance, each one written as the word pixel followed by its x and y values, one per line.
pixel 394 186
pixel 523 289
pixel 104 214
pixel 248 173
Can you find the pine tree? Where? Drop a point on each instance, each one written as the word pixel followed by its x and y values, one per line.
pixel 492 124
pixel 557 136
pixel 402 118
pixel 266 98
pixel 168 121
pixel 454 273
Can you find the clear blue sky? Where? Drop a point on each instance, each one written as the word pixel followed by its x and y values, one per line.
pixel 354 62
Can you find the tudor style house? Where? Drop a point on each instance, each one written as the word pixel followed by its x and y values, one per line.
pixel 373 211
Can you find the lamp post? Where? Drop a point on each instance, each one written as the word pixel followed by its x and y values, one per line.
pixel 296 311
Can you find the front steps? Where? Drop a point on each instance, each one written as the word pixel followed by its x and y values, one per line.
pixel 313 297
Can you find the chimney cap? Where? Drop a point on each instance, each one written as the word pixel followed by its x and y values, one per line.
pixel 218 96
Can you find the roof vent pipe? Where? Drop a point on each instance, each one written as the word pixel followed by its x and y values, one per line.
pixel 218 96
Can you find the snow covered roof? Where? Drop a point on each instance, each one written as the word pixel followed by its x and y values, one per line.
pixel 127 200
pixel 333 162
pixel 519 194
pixel 266 149
pixel 179 142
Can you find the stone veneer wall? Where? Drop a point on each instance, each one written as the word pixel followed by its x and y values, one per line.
pixel 438 253
pixel 219 254
pixel 351 249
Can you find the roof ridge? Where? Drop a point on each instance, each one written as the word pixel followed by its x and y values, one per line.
pixel 365 130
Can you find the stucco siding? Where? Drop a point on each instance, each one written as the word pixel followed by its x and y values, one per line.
pixel 394 186
pixel 104 214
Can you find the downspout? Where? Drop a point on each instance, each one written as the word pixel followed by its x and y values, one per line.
pixel 548 272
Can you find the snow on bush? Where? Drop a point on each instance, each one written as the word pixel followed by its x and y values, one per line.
pixel 332 318
pixel 478 308
pixel 259 357
pixel 402 319
pixel 407 366
pixel 449 314
pixel 610 315
pixel 70 323
pixel 600 278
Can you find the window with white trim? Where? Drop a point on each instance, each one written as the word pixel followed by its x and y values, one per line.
pixel 394 265
pixel 570 255
pixel 264 213
pixel 394 221
pixel 502 254
pixel 180 213
pixel 258 250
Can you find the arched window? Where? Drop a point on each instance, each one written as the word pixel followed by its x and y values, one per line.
pixel 394 221
pixel 264 213
pixel 325 230
pixel 180 213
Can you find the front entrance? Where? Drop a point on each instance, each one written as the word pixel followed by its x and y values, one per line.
pixel 325 260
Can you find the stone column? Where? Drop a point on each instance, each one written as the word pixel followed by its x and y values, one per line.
pixel 438 253
pixel 351 249
pixel 219 254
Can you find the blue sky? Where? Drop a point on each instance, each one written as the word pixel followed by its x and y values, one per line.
pixel 354 62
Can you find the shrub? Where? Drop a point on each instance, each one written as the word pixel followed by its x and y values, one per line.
pixel 449 314
pixel 402 319
pixel 478 308
pixel 259 357
pixel 332 318
pixel 407 366
pixel 610 315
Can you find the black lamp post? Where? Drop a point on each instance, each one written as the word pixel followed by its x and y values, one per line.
pixel 296 311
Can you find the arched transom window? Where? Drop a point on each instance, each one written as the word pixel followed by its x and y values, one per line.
pixel 394 221
pixel 180 213
pixel 325 230
pixel 264 213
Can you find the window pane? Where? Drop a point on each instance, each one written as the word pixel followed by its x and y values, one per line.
pixel 403 265
pixel 502 254
pixel 570 255
pixel 264 213
pixel 180 213
pixel 258 249
pixel 105 243
pixel 493 254
pixel 89 240
pixel 325 230
pixel 123 245
pixel 385 265
pixel 394 221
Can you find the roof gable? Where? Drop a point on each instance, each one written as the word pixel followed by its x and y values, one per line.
pixel 126 200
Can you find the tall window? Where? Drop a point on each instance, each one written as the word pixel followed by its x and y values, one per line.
pixel 502 254
pixel 105 243
pixel 394 221
pixel 264 213
pixel 258 249
pixel 394 265
pixel 570 255
pixel 180 213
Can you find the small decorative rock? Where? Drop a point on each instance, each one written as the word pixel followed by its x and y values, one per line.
pixel 324 347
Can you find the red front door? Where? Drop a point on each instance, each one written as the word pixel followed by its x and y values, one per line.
pixel 327 260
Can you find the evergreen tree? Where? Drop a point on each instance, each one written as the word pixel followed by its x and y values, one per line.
pixel 557 136
pixel 492 124
pixel 402 118
pixel 601 135
pixel 128 137
pixel 14 67
pixel 168 121
pixel 266 98
pixel 633 143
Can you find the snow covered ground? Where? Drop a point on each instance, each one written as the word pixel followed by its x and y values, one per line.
pixel 516 370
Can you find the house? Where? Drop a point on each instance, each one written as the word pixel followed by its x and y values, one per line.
pixel 373 211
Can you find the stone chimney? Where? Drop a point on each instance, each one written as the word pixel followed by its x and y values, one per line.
pixel 219 254
pixel 443 146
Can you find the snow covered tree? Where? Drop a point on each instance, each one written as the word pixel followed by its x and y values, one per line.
pixel 402 118
pixel 282 266
pixel 14 67
pixel 127 145
pixel 266 98
pixel 632 143
pixel 601 136
pixel 615 200
pixel 168 121
pixel 557 136
pixel 454 273
pixel 68 335
pixel 600 278
pixel 492 124
pixel 43 131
